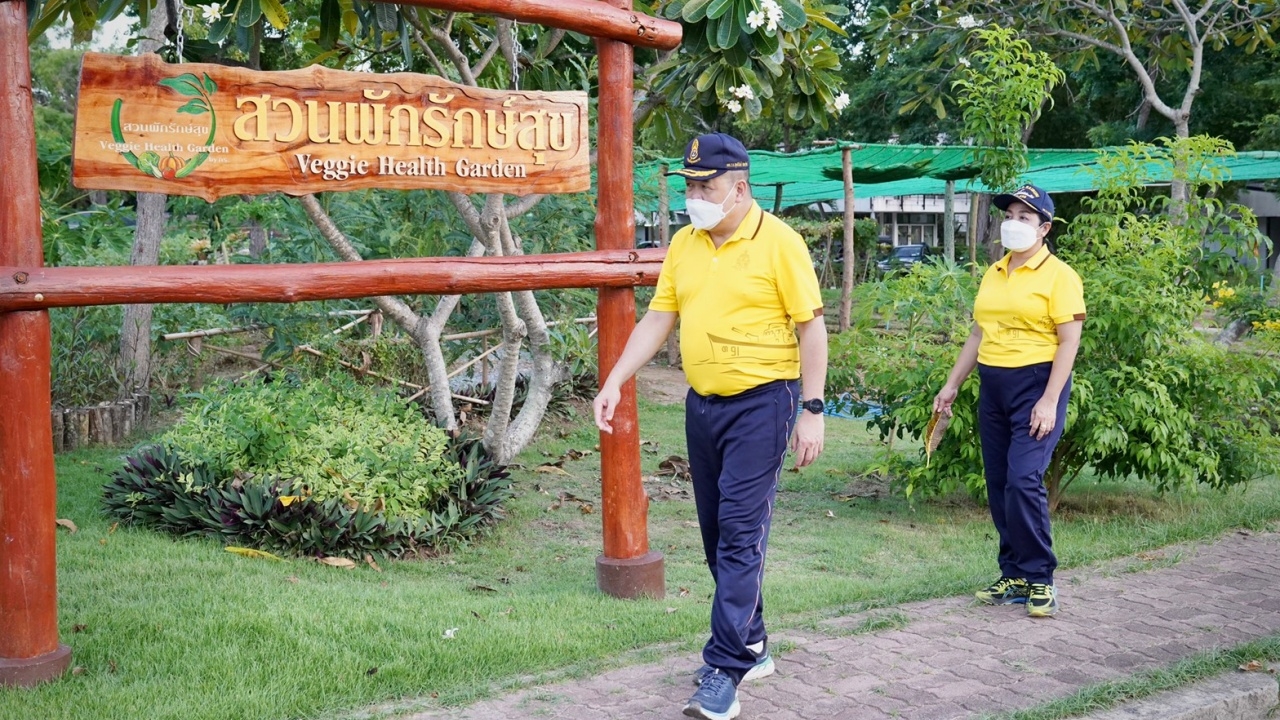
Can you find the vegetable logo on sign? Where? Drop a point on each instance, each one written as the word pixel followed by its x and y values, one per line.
pixel 171 167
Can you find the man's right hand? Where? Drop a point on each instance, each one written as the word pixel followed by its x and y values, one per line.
pixel 604 405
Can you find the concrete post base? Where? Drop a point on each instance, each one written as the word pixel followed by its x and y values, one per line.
pixel 629 579
pixel 33 671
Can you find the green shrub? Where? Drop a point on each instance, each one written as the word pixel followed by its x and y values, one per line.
pixel 332 436
pixel 1150 398
pixel 325 470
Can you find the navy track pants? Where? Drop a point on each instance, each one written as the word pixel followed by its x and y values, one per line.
pixel 736 447
pixel 1015 463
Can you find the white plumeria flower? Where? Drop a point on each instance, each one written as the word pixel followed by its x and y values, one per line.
pixel 841 101
pixel 964 62
pixel 734 106
pixel 755 19
pixel 773 11
pixel 745 92
pixel 967 22
pixel 211 13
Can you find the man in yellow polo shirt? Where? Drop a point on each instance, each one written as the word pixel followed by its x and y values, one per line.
pixel 752 334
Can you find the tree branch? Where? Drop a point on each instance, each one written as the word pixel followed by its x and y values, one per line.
pixel 507 42
pixel 522 205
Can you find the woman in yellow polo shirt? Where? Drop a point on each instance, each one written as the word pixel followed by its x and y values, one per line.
pixel 1027 321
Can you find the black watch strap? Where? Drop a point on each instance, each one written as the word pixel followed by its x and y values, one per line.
pixel 814 405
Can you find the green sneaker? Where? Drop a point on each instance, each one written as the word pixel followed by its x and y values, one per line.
pixel 1004 591
pixel 1042 601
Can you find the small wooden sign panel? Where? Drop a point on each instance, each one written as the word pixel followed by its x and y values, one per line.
pixel 210 130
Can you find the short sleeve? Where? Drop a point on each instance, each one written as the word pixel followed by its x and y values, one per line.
pixel 664 295
pixel 797 282
pixel 1066 301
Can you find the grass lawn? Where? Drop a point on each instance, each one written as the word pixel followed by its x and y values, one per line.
pixel 178 628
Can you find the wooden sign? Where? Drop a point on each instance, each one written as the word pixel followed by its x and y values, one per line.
pixel 209 131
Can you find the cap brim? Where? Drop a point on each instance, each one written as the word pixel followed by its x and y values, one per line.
pixel 1003 202
pixel 697 173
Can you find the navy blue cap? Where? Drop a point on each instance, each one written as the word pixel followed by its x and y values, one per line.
pixel 1032 196
pixel 709 156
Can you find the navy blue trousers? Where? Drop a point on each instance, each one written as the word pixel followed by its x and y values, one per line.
pixel 1015 464
pixel 736 448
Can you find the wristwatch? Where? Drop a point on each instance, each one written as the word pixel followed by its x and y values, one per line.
pixel 815 406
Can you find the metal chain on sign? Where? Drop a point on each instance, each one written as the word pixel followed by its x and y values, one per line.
pixel 179 24
pixel 515 64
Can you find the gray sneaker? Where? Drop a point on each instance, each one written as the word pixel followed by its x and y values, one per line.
pixel 764 667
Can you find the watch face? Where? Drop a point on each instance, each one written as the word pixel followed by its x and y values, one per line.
pixel 814 406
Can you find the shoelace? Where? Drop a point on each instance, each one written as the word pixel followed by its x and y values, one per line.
pixel 1041 590
pixel 714 684
pixel 1005 583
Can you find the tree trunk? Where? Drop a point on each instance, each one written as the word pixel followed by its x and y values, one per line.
pixel 257 239
pixel 850 256
pixel 135 330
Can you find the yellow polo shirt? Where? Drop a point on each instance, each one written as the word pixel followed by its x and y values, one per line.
pixel 738 304
pixel 1019 313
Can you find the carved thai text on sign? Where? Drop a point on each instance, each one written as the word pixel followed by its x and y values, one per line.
pixel 209 131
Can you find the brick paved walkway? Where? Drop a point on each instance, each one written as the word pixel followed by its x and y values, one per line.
pixel 955 659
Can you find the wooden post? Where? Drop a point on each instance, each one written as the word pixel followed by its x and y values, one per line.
pixel 973 233
pixel 777 198
pixel 626 568
pixel 850 259
pixel 949 221
pixel 29 649
pixel 664 239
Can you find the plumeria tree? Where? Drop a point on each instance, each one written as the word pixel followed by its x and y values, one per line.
pixel 770 57
pixel 1163 45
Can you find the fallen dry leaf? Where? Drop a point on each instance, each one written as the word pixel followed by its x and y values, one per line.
pixel 482 588
pixel 78 627
pixel 676 467
pixel 67 524
pixel 671 610
pixel 684 592
pixel 113 527
pixel 1251 666
pixel 338 562
pixel 830 514
pixel 77 670
pixel 585 508
pixel 292 579
pixel 251 553
pixel 369 560
pixel 551 469
pixel 933 434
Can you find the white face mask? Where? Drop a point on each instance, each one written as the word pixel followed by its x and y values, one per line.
pixel 1017 236
pixel 704 214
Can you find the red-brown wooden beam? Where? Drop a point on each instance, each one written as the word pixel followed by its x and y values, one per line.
pixel 626 568
pixel 32 287
pixel 29 649
pixel 589 17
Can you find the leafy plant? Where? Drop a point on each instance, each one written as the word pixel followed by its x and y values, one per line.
pixel 334 438
pixel 1151 399
pixel 158 488
pixel 1001 93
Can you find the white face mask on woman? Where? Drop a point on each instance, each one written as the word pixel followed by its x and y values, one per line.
pixel 704 214
pixel 1017 236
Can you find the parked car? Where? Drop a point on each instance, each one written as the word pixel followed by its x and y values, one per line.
pixel 904 256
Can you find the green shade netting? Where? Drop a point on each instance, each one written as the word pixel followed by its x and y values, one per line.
pixel 894 170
